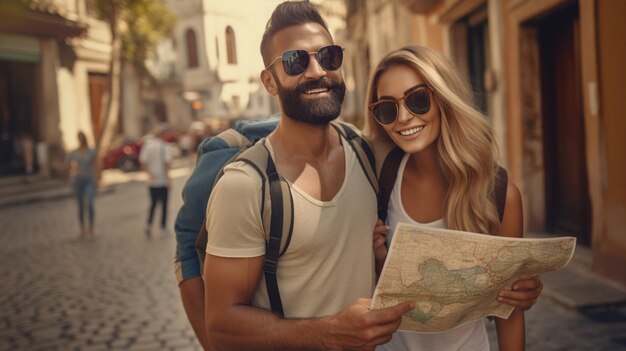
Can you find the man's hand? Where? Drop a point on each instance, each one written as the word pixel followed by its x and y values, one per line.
pixel 358 328
pixel 524 293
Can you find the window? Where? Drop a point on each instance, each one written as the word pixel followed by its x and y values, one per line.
pixel 236 101
pixel 471 48
pixel 192 48
pixel 231 49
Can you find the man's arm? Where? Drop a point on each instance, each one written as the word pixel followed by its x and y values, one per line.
pixel 232 324
pixel 526 291
pixel 188 223
pixel 192 294
pixel 168 164
pixel 167 168
pixel 143 158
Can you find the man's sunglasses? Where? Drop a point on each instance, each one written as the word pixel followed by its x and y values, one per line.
pixel 295 62
pixel 416 101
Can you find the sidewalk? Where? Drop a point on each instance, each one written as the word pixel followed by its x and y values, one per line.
pixel 576 286
pixel 34 188
pixel 20 190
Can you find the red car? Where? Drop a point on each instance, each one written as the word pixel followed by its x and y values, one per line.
pixel 124 152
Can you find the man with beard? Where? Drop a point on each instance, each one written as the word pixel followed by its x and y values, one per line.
pixel 327 273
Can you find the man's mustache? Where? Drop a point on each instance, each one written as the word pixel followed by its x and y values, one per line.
pixel 322 83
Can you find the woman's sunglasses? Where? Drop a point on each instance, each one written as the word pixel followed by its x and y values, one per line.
pixel 416 101
pixel 295 62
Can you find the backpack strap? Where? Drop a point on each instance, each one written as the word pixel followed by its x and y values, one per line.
pixel 281 218
pixel 382 148
pixel 389 173
pixel 387 179
pixel 233 142
pixel 362 150
pixel 499 190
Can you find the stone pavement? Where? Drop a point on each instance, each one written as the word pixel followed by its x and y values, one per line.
pixel 118 291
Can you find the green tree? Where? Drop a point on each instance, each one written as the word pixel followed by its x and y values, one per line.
pixel 136 27
pixel 148 21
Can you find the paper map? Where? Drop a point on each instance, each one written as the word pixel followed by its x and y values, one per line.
pixel 454 277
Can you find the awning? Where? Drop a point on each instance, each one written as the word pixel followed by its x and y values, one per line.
pixel 19 48
pixel 22 20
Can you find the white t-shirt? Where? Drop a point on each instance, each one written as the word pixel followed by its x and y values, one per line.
pixel 471 336
pixel 329 262
pixel 154 155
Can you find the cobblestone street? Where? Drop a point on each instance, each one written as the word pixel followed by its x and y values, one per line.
pixel 552 327
pixel 118 291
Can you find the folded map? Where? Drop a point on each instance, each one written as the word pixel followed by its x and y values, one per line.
pixel 454 277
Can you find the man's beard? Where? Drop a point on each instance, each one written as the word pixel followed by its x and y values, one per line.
pixel 313 111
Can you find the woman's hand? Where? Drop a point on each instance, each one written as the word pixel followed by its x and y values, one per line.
pixel 524 293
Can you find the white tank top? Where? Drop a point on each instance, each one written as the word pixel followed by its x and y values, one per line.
pixel 471 336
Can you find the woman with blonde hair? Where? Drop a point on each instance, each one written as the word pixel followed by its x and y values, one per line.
pixel 446 176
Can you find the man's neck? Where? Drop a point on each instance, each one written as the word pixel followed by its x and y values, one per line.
pixel 309 156
pixel 295 140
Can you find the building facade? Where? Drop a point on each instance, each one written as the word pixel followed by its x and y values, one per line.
pixel 54 59
pixel 547 75
pixel 213 70
pixel 210 68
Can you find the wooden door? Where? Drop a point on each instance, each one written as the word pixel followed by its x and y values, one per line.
pixel 98 87
pixel 567 198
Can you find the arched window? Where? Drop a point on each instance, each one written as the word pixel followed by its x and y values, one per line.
pixel 192 48
pixel 231 47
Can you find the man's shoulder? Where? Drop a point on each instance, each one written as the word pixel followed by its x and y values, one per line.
pixel 150 144
pixel 240 174
pixel 147 144
pixel 240 186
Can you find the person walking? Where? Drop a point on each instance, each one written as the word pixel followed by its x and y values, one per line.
pixel 83 170
pixel 155 157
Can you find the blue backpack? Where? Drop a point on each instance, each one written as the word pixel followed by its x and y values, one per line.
pixel 245 142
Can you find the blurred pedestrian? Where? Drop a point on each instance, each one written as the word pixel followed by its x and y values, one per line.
pixel 83 170
pixel 186 144
pixel 155 157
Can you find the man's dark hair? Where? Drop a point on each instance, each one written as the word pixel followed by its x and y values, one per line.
pixel 287 14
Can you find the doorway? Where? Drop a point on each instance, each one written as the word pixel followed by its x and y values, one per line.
pixel 471 47
pixel 18 127
pixel 567 202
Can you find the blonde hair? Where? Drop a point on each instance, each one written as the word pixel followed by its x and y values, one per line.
pixel 466 145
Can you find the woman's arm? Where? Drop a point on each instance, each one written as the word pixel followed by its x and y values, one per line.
pixel 511 331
